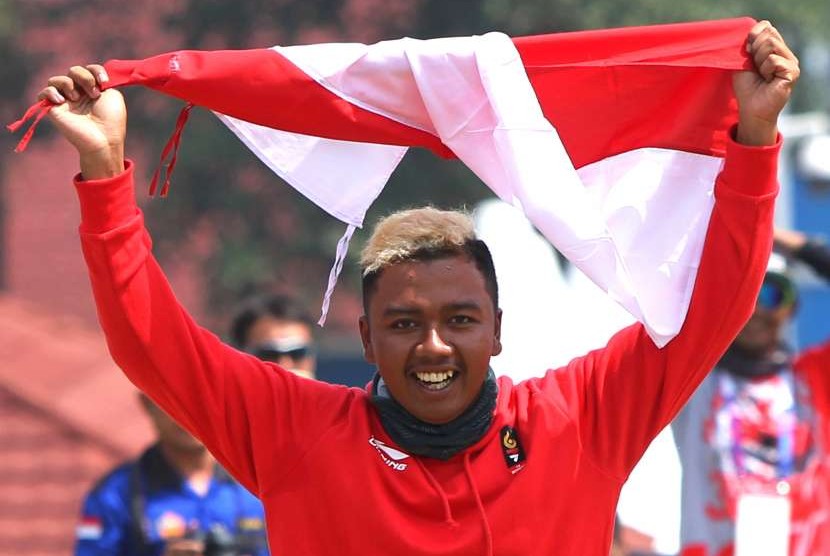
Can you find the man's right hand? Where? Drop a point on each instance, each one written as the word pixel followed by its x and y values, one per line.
pixel 94 122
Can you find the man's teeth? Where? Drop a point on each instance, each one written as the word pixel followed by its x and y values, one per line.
pixel 435 378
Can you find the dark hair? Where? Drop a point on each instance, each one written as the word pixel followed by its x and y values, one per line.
pixel 474 249
pixel 280 307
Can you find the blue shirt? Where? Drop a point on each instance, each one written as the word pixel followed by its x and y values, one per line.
pixel 168 508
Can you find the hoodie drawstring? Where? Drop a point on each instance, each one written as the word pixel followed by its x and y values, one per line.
pixel 448 519
pixel 488 535
pixel 37 111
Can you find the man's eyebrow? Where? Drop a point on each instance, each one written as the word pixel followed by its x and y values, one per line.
pixel 395 310
pixel 404 310
pixel 464 306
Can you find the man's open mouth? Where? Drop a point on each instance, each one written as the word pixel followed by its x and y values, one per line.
pixel 435 380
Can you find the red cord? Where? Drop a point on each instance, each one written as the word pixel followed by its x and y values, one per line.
pixel 37 111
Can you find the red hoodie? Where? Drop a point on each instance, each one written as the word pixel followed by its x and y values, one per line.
pixel 543 480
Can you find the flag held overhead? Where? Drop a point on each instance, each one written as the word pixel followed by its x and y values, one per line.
pixel 609 140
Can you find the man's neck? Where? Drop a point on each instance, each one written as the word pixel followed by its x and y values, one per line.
pixel 195 465
pixel 190 463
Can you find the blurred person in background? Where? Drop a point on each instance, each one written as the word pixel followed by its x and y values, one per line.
pixel 276 328
pixel 753 438
pixel 175 500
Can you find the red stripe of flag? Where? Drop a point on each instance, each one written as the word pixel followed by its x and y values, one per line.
pixel 606 91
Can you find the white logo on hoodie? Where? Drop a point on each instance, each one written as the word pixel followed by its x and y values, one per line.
pixel 390 456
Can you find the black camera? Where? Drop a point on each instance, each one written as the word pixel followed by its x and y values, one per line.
pixel 218 541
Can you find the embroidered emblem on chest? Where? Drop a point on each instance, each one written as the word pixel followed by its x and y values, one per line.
pixel 514 455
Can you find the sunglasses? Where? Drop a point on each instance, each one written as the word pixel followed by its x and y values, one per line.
pixel 777 292
pixel 274 352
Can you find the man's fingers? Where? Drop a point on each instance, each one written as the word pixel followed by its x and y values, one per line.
pixel 762 52
pixel 65 86
pixel 52 95
pixel 779 67
pixel 771 55
pixel 768 42
pixel 77 81
pixel 99 72
pixel 85 79
pixel 757 30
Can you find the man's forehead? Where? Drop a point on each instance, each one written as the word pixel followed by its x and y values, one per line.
pixel 431 272
pixel 267 327
pixel 449 281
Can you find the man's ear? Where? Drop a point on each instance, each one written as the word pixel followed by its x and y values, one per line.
pixel 366 339
pixel 497 334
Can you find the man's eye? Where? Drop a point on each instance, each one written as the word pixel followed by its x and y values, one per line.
pixel 462 319
pixel 403 324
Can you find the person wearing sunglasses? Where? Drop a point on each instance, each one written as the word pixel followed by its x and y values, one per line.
pixel 750 439
pixel 278 329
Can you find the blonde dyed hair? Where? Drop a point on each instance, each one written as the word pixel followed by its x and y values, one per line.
pixel 401 235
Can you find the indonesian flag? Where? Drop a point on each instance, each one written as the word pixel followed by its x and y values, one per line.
pixel 609 141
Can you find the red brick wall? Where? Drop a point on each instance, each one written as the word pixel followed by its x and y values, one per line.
pixel 40 246
pixel 45 469
pixel 42 256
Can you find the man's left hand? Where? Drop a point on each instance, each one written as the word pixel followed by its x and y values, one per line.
pixel 762 94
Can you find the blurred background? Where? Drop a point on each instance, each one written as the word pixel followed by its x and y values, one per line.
pixel 230 227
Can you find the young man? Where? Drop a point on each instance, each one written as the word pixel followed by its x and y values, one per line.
pixel 437 457
pixel 755 431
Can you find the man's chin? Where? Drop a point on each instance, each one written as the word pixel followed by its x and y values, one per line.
pixel 755 347
pixel 436 415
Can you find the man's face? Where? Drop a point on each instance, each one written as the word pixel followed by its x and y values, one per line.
pixel 431 330
pixel 762 333
pixel 284 342
pixel 774 307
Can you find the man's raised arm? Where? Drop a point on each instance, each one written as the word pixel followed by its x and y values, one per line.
pixel 245 411
pixel 630 390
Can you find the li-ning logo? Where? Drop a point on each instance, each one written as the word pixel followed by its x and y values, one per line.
pixel 514 456
pixel 390 456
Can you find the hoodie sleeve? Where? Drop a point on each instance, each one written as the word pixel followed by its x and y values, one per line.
pixel 245 411
pixel 621 396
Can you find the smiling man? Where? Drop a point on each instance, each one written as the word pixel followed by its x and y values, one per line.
pixel 431 324
pixel 437 457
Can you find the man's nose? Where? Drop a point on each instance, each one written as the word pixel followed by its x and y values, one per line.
pixel 434 343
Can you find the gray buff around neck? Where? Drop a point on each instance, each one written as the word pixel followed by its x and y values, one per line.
pixel 430 440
